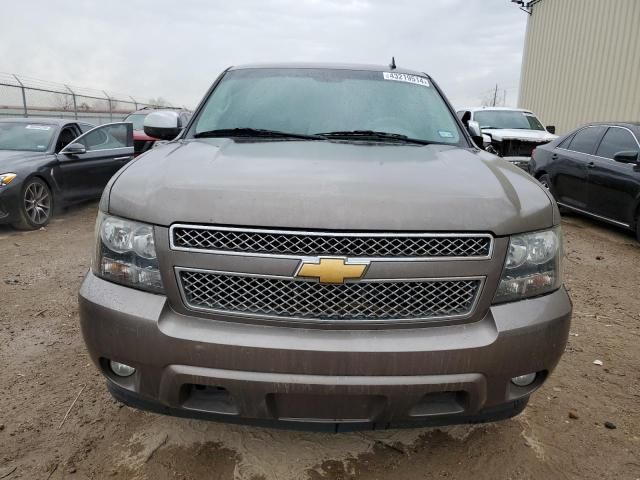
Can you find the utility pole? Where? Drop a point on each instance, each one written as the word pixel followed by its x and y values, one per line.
pixel 495 96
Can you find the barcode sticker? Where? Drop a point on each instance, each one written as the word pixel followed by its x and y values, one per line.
pixel 403 77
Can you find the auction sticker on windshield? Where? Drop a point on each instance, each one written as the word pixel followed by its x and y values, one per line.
pixel 403 77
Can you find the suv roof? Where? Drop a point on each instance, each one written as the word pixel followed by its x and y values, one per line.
pixel 330 66
pixel 507 109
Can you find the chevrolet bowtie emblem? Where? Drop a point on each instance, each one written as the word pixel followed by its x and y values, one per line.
pixel 332 270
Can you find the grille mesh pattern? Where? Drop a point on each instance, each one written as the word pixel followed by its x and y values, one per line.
pixel 315 245
pixel 365 301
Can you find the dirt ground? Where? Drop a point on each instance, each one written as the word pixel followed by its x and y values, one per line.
pixel 44 368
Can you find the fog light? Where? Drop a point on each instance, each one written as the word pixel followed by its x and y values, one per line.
pixel 121 369
pixel 524 380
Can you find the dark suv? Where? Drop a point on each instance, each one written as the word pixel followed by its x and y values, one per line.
pixel 143 142
pixel 324 244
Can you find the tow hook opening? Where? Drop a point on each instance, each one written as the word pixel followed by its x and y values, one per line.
pixel 208 398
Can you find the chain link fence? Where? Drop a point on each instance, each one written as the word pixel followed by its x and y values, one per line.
pixel 22 96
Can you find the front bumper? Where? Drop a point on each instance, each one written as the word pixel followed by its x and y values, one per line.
pixel 277 375
pixel 10 202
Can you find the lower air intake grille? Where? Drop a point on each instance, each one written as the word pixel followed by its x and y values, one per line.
pixel 358 301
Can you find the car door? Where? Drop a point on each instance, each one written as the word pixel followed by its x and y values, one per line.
pixel 86 165
pixel 572 165
pixel 614 186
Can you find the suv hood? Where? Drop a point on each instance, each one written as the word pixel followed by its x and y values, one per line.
pixel 519 134
pixel 330 185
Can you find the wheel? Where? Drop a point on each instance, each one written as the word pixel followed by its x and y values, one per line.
pixel 638 229
pixel 545 180
pixel 36 206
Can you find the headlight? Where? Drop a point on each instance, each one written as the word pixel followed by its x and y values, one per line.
pixel 126 253
pixel 533 266
pixel 7 178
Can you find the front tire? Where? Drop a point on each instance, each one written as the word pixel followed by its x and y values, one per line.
pixel 545 181
pixel 36 205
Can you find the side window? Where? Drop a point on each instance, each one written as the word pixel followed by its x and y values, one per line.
pixel 85 127
pixel 565 143
pixel 585 140
pixel 616 140
pixel 108 137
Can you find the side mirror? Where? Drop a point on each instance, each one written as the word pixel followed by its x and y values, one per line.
pixel 551 129
pixel 164 125
pixel 626 157
pixel 74 149
pixel 476 133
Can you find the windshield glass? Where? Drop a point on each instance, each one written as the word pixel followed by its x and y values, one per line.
pixel 30 137
pixel 507 119
pixel 137 119
pixel 311 101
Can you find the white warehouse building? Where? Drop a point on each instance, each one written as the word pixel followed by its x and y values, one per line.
pixel 581 61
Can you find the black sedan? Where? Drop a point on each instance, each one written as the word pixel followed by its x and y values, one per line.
pixel 595 170
pixel 47 164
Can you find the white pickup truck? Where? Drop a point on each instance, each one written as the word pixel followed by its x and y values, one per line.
pixel 511 133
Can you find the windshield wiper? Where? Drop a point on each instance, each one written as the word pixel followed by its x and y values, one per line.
pixel 374 135
pixel 254 133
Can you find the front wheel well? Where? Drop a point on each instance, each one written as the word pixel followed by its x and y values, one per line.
pixel 40 177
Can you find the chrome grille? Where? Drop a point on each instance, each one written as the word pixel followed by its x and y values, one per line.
pixel 358 301
pixel 186 237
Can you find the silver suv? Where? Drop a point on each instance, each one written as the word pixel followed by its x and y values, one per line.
pixel 325 245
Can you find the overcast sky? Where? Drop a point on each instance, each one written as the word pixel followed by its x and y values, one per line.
pixel 174 49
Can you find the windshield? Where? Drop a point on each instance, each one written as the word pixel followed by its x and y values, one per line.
pixel 137 119
pixel 312 101
pixel 30 137
pixel 507 119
